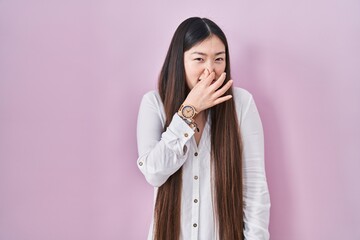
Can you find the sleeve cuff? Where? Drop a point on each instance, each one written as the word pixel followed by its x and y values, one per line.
pixel 178 131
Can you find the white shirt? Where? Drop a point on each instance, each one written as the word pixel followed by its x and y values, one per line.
pixel 162 153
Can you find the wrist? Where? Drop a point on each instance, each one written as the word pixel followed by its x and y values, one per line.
pixel 188 112
pixel 193 104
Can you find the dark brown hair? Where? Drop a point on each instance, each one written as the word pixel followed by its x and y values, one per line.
pixel 226 147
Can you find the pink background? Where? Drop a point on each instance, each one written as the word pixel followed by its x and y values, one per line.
pixel 72 74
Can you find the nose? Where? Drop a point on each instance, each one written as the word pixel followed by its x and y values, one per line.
pixel 210 66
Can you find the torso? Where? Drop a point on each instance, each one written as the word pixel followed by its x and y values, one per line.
pixel 200 121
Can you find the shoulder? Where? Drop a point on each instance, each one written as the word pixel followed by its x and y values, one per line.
pixel 243 102
pixel 152 97
pixel 151 102
pixel 242 97
pixel 241 93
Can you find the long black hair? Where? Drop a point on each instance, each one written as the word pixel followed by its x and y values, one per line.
pixel 226 147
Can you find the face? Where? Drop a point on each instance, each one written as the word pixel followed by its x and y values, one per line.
pixel 208 54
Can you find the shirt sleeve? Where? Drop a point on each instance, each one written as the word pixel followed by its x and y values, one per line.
pixel 161 153
pixel 256 194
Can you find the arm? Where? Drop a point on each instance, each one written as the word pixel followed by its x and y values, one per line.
pixel 161 153
pixel 256 194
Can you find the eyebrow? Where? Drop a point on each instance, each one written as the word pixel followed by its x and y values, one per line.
pixel 204 54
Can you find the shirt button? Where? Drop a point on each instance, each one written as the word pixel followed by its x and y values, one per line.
pixel 140 163
pixel 195 225
pixel 196 177
pixel 196 154
pixel 186 135
pixel 195 200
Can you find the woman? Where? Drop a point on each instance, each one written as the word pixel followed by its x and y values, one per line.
pixel 200 144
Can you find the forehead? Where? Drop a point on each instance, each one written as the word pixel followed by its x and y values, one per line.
pixel 210 45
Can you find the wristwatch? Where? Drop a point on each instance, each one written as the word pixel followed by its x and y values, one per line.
pixel 187 111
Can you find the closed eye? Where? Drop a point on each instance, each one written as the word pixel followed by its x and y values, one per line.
pixel 219 59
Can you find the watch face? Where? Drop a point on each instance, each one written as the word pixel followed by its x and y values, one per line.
pixel 188 111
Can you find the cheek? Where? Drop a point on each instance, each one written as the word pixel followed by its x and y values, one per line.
pixel 194 72
pixel 191 76
pixel 220 69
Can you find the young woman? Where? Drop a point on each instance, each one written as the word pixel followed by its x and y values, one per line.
pixel 200 144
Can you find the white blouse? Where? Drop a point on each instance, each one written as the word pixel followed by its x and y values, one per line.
pixel 162 153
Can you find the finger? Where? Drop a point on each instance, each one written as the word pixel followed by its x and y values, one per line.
pixel 209 79
pixel 222 99
pixel 203 77
pixel 223 90
pixel 219 82
pixel 204 74
pixel 207 72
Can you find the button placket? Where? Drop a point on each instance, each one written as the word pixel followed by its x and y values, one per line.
pixel 195 195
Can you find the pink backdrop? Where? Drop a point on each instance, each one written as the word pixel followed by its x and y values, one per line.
pixel 72 74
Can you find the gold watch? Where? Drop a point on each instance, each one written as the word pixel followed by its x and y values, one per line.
pixel 187 111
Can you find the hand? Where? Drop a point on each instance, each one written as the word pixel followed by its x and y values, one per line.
pixel 206 93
